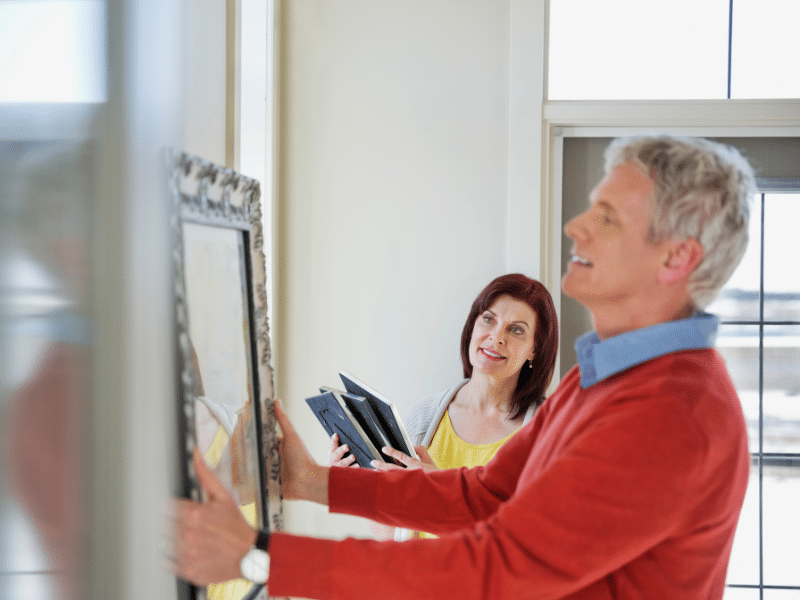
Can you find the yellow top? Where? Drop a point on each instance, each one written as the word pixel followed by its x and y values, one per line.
pixel 449 451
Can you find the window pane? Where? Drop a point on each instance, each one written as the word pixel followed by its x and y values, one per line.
pixel 741 594
pixel 781 254
pixel 782 389
pixel 739 299
pixel 738 345
pixel 633 50
pixel 781 525
pixel 743 567
pixel 765 49
pixel 781 594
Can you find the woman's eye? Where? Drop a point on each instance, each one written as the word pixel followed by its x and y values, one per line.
pixel 487 318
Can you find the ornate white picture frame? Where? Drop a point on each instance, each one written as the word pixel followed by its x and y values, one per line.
pixel 225 387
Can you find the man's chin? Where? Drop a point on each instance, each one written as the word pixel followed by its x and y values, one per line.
pixel 569 288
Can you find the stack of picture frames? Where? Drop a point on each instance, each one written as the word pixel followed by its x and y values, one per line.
pixel 225 387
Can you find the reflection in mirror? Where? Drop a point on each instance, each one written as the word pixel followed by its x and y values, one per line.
pixel 219 334
pixel 223 339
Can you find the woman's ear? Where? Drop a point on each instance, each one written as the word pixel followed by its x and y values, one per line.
pixel 681 259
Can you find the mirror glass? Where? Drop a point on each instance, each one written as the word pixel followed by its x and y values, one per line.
pixel 219 332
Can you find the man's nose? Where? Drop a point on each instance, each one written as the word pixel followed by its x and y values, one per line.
pixel 575 229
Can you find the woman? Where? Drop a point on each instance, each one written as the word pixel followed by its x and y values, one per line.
pixel 508 351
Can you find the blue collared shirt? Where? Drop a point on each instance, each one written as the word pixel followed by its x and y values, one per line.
pixel 598 359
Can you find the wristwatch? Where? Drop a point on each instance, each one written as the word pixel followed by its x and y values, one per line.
pixel 255 564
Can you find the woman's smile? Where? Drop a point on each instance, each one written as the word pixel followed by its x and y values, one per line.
pixel 491 355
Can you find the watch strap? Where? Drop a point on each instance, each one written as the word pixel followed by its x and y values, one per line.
pixel 262 540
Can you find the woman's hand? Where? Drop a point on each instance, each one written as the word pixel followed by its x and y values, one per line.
pixel 425 461
pixel 336 454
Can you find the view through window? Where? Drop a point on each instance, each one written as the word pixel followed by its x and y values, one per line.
pixel 759 338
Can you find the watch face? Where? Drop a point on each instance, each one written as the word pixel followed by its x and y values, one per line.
pixel 255 566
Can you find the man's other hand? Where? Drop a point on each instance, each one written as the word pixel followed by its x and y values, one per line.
pixel 210 538
pixel 301 477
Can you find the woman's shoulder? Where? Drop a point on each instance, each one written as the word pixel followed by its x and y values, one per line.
pixel 432 401
pixel 424 411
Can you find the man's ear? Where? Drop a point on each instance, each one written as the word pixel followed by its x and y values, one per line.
pixel 681 259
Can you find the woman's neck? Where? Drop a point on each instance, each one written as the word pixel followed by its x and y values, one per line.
pixel 480 413
pixel 485 394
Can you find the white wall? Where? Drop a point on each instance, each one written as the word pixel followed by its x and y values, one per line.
pixel 393 198
pixel 393 204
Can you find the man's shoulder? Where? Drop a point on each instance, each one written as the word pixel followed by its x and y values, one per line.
pixel 702 368
pixel 688 385
pixel 684 367
pixel 685 380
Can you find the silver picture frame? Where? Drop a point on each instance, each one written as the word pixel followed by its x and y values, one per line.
pixel 225 379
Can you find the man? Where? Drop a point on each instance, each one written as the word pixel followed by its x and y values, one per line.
pixel 628 482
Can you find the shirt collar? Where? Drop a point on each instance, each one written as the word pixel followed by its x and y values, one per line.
pixel 601 359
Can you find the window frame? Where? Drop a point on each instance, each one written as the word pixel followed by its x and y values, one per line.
pixel 760 458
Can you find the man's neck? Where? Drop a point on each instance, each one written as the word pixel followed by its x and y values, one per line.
pixel 611 321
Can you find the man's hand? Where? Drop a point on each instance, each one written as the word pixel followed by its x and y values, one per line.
pixel 301 477
pixel 209 538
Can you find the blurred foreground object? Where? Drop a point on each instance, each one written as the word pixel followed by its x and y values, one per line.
pixel 45 193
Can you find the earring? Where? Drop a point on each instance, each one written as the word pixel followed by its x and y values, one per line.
pixel 530 364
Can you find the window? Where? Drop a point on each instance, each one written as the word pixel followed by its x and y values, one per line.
pixel 765 49
pixel 684 49
pixel 759 337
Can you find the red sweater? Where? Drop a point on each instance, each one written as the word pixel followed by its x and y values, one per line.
pixel 628 489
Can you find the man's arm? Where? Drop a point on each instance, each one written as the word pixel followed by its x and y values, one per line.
pixel 453 499
pixel 639 487
pixel 210 538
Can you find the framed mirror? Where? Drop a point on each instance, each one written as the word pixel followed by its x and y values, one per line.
pixel 225 382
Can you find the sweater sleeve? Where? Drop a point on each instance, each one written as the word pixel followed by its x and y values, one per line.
pixel 517 530
pixel 419 416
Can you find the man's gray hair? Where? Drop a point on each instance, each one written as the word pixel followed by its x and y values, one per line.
pixel 702 190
